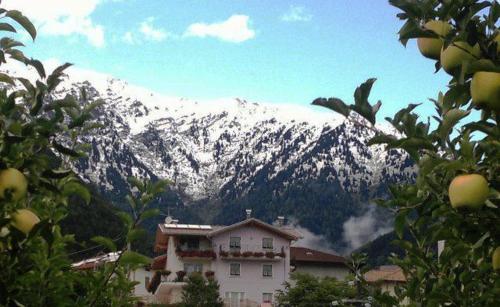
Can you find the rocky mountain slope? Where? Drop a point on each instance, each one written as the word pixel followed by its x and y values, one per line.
pixel 230 154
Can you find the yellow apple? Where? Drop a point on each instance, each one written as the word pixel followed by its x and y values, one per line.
pixel 14 180
pixel 497 40
pixel 431 47
pixel 469 191
pixel 24 220
pixel 485 89
pixel 496 259
pixel 457 53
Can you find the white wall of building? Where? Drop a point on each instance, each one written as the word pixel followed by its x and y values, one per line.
pixel 319 270
pixel 251 282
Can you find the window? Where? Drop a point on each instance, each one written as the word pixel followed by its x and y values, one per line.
pixel 235 242
pixel 235 298
pixel 234 269
pixel 193 267
pixel 267 297
pixel 267 243
pixel 267 270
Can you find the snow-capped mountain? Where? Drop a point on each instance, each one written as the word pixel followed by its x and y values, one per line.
pixel 233 153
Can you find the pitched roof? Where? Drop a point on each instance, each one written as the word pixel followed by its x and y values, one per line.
pixel 159 262
pixel 92 263
pixel 386 273
pixel 284 232
pixel 303 254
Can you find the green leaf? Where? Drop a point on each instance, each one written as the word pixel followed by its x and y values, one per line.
pixel 16 55
pixel 450 119
pixel 55 77
pixel 361 104
pixel 150 213
pixel 334 104
pixel 126 218
pixel 27 85
pixel 7 43
pixel 136 234
pixel 134 259
pixel 399 223
pixel 160 186
pixel 479 243
pixel 66 151
pixel 133 181
pixel 7 79
pixel 106 242
pixel 38 104
pixel 466 146
pixel 74 188
pixel 38 66
pixel 79 121
pixel 56 174
pixel 7 27
pixel 382 139
pixel 23 21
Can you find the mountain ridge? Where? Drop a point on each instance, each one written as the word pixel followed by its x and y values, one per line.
pixel 229 154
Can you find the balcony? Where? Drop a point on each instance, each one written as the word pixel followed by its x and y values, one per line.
pixel 196 254
pixel 251 252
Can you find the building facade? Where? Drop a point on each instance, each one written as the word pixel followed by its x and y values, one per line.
pixel 317 263
pixel 249 259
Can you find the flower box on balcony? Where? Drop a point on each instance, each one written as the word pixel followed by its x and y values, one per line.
pixel 282 254
pixel 258 254
pixel 236 254
pixel 270 254
pixel 197 253
pixel 223 253
pixel 247 254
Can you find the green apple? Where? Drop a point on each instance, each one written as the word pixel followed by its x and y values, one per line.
pixel 496 259
pixel 457 53
pixel 431 47
pixel 13 180
pixel 24 220
pixel 470 191
pixel 485 89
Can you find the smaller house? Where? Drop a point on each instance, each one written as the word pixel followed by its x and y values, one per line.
pixel 317 263
pixel 387 277
pixel 142 275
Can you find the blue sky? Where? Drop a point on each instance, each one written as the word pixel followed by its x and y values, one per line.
pixel 263 51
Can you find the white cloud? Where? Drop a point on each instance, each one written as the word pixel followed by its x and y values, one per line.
pixel 362 229
pixel 235 29
pixel 152 33
pixel 147 31
pixel 128 38
pixel 62 17
pixel 296 13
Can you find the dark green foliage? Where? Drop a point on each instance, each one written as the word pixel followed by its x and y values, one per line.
pixel 87 221
pixel 380 250
pixel 201 292
pixel 306 290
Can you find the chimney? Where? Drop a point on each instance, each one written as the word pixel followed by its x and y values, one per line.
pixel 281 221
pixel 249 213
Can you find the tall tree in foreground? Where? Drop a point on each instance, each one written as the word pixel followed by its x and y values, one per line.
pixel 38 138
pixel 455 198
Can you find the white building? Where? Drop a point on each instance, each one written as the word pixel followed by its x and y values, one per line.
pixel 249 259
